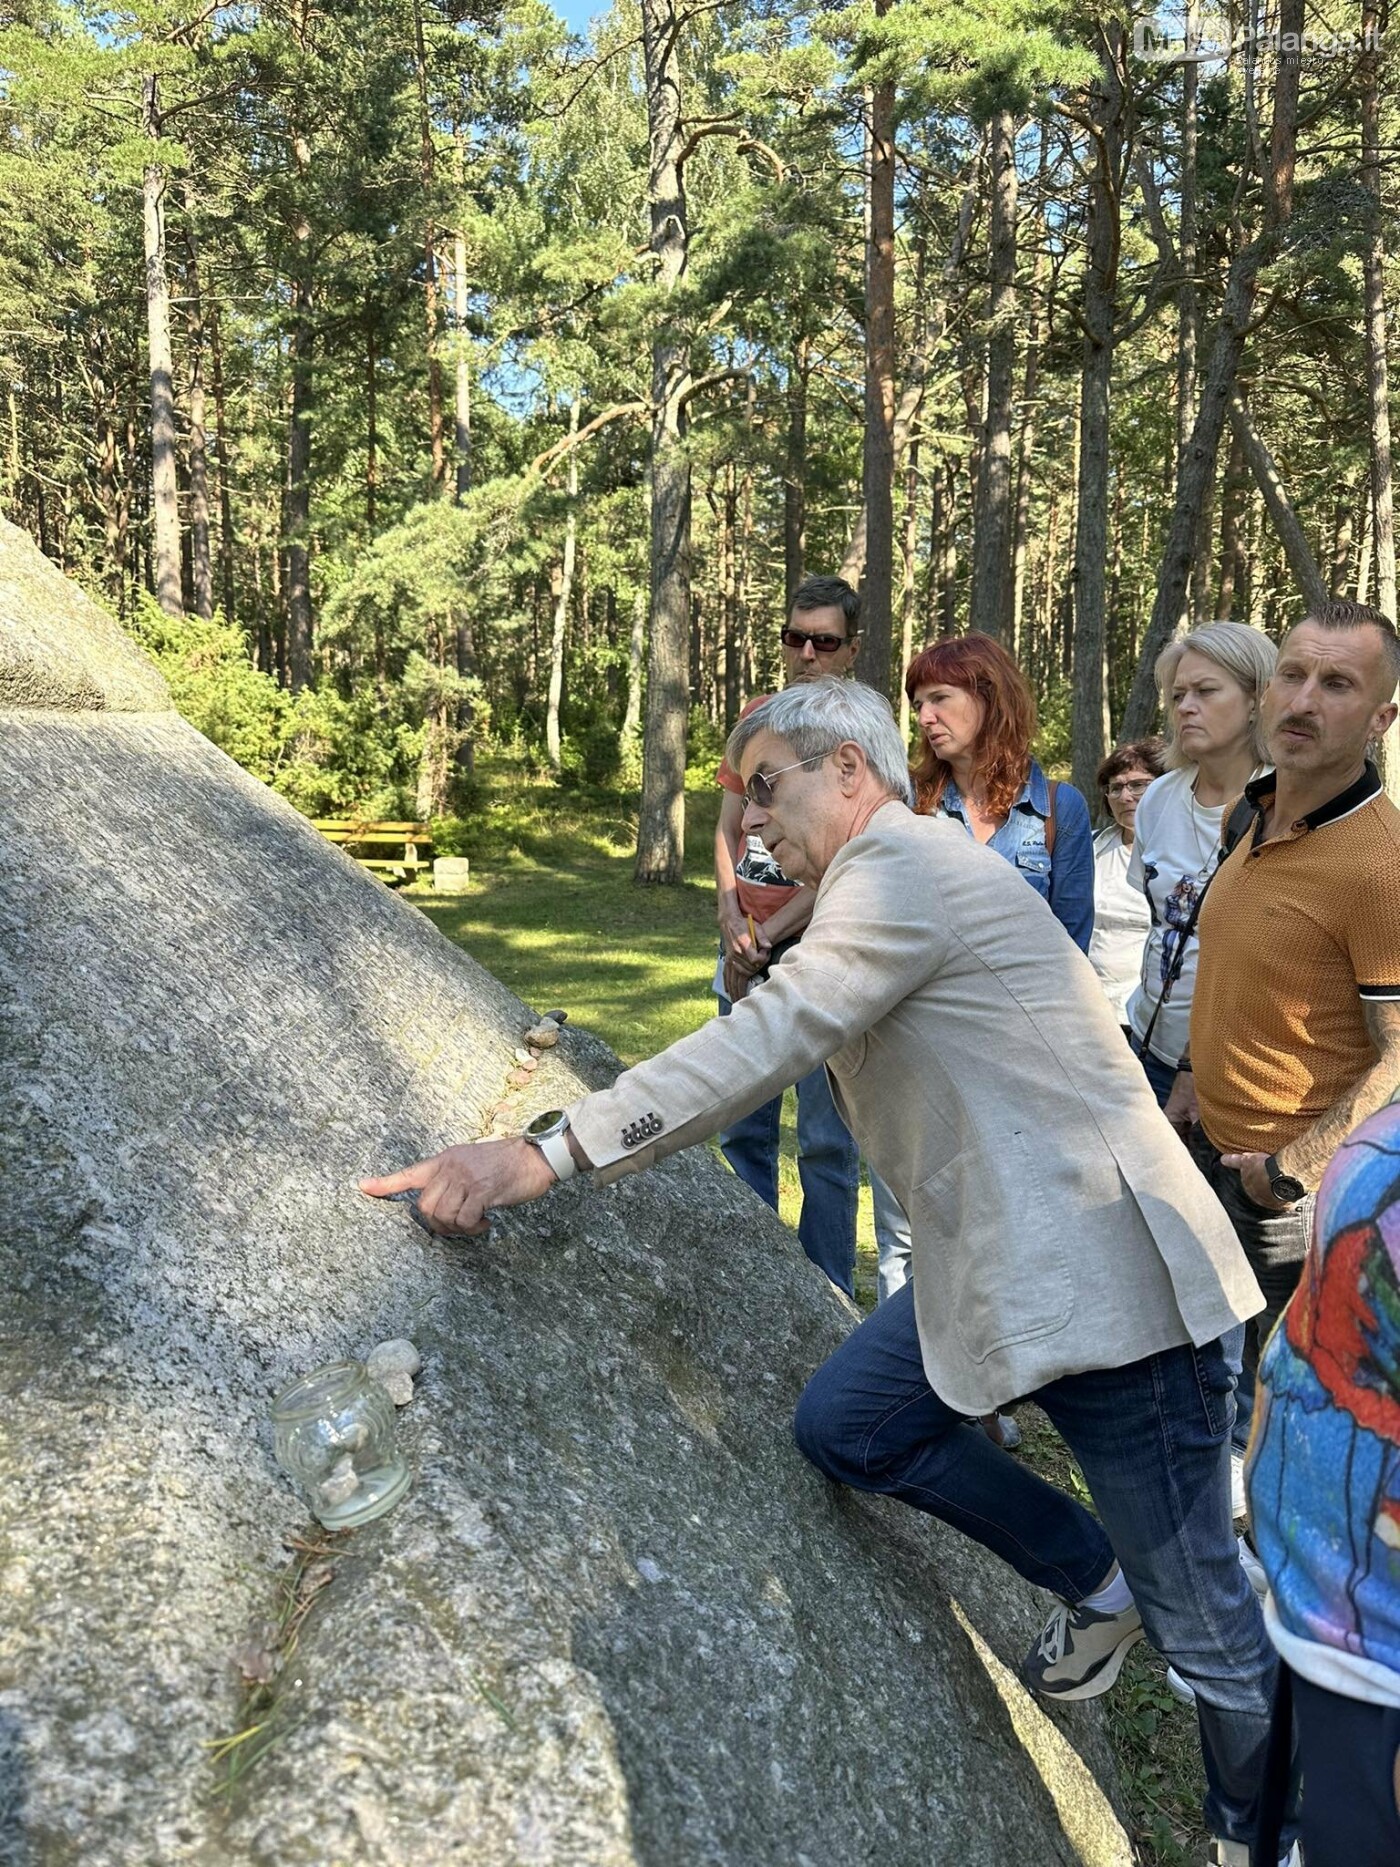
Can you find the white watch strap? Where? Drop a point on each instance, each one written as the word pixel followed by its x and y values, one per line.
pixel 556 1150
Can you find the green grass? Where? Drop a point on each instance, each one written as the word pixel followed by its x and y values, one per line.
pixel 554 914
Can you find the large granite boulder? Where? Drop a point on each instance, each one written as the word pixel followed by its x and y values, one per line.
pixel 617 1619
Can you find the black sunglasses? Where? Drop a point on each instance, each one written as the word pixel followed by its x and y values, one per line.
pixel 764 783
pixel 823 644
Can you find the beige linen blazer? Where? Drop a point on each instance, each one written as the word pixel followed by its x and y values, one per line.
pixel 1058 1223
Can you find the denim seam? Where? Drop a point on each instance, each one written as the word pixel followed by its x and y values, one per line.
pixel 906 1487
pixel 1203 1605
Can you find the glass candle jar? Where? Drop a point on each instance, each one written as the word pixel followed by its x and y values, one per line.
pixel 333 1433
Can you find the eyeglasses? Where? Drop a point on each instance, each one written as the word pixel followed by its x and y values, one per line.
pixel 823 644
pixel 762 785
pixel 1128 787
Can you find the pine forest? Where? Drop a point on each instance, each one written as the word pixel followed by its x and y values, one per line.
pixel 423 379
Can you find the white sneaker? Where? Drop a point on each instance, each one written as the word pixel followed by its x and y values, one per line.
pixel 1236 1854
pixel 1179 1688
pixel 1254 1569
pixel 1239 1503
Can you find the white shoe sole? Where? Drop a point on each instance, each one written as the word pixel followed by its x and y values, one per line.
pixel 1178 1687
pixel 1103 1680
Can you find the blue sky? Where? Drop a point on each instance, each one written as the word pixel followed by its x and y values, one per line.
pixel 577 13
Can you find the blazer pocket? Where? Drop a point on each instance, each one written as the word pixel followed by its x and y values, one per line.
pixel 1007 1274
pixel 849 1060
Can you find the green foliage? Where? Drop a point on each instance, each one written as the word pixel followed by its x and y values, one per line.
pixel 704 748
pixel 1052 740
pixel 216 688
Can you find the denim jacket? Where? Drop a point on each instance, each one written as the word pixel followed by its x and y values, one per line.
pixel 1064 879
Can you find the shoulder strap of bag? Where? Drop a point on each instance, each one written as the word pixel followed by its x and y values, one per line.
pixel 1052 786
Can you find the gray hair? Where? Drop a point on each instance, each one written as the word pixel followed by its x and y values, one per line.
pixel 814 717
pixel 1246 655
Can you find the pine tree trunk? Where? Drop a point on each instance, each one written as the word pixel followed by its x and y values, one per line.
pixel 1187 304
pixel 909 580
pixel 201 552
pixel 371 419
pixel 298 521
pixel 1196 475
pixel 877 475
pixel 991 567
pixel 553 743
pixel 1025 443
pixel 1231 530
pixel 1339 569
pixel 427 175
pixel 226 538
pixel 1090 723
pixel 1374 21
pixel 795 472
pixel 1289 532
pixel 636 642
pixel 661 827
pixel 165 493
pixel 462 425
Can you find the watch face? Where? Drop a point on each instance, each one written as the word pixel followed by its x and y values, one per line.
pixel 549 1123
pixel 1284 1187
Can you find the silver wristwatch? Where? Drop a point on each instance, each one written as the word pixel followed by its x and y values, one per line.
pixel 548 1133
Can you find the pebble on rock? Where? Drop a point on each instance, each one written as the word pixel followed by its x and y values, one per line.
pixel 393 1365
pixel 545 1034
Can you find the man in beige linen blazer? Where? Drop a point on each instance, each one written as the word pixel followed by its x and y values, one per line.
pixel 1064 1245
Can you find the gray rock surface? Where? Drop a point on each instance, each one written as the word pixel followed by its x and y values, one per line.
pixel 617 1619
pixel 57 648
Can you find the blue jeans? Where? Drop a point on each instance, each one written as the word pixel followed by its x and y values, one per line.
pixel 1152 1440
pixel 1160 1076
pixel 828 1165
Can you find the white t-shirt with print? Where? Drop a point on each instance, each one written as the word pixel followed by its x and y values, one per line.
pixel 1176 843
pixel 1120 921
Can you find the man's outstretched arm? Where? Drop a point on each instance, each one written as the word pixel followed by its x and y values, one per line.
pixel 455 1188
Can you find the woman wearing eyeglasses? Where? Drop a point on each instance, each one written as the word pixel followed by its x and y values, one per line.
pixel 977 720
pixel 1121 920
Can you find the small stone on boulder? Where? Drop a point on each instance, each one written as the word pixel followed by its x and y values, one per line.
pixel 394 1364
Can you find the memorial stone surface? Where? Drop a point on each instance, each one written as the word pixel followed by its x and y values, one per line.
pixel 617 1619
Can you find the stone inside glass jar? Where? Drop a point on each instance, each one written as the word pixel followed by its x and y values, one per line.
pixel 333 1432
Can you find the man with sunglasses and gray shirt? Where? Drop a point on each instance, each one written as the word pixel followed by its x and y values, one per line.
pixel 762 915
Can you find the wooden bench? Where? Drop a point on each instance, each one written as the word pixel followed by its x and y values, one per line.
pixel 370 844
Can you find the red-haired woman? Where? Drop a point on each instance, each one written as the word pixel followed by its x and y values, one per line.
pixel 977 720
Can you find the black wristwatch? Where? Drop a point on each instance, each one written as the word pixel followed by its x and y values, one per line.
pixel 1285 1189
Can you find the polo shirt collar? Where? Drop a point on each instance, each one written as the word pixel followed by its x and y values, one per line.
pixel 1260 790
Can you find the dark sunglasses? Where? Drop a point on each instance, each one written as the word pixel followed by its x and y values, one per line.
pixel 823 644
pixel 764 783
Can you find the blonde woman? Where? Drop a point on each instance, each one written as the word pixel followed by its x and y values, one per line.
pixel 1210 682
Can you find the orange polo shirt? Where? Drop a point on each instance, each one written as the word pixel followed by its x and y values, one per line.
pixel 1295 934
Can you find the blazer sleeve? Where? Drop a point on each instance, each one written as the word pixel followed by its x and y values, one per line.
pixel 1072 867
pixel 874 937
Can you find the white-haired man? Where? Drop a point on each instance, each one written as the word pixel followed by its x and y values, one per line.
pixel 1063 1244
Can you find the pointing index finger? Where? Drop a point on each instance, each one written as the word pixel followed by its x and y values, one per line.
pixel 406 1180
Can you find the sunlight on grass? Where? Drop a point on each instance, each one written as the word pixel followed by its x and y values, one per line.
pixel 554 914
